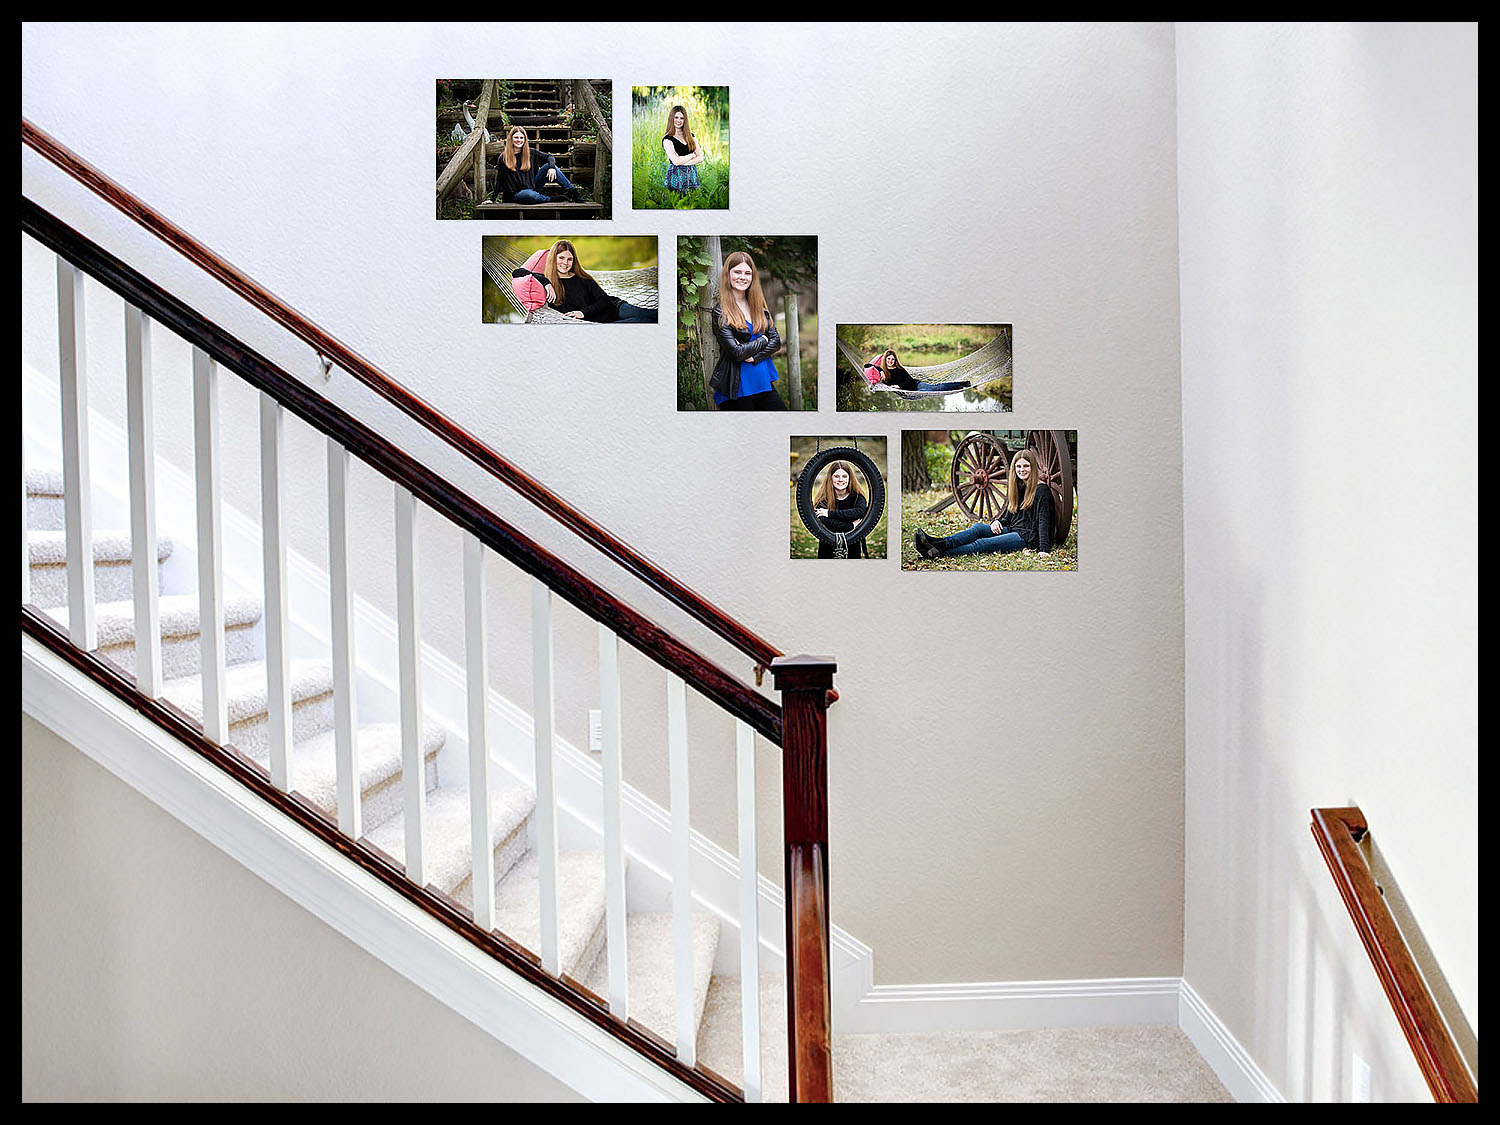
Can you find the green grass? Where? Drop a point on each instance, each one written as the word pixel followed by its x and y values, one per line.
pixel 805 543
pixel 951 519
pixel 648 163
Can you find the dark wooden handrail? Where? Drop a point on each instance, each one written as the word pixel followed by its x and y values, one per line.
pixel 381 455
pixel 329 347
pixel 1338 832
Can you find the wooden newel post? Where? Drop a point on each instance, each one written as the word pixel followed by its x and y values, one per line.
pixel 804 683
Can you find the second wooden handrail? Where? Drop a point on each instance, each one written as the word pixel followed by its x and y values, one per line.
pixel 1338 832
pixel 331 348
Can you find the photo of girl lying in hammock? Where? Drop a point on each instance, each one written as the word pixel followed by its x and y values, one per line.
pixel 886 369
pixel 933 367
pixel 545 281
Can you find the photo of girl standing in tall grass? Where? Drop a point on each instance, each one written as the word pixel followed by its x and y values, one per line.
pixel 680 147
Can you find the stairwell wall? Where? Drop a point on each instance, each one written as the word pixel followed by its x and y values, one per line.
pixel 1006 766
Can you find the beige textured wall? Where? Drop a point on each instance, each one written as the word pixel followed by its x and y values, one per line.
pixel 1006 764
pixel 154 967
pixel 1328 182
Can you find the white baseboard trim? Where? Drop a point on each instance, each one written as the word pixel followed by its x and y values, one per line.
pixel 533 1024
pixel 1244 1080
pixel 1016 1005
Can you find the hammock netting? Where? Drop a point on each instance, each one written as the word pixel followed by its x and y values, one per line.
pixel 991 362
pixel 638 287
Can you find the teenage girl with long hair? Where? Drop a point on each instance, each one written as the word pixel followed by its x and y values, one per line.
pixel 572 290
pixel 682 151
pixel 1028 519
pixel 524 171
pixel 886 368
pixel 745 376
pixel 841 503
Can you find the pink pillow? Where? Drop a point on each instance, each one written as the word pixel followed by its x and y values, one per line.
pixel 529 291
pixel 872 373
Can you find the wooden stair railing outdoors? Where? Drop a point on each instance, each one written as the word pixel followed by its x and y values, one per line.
pixel 1339 833
pixel 805 683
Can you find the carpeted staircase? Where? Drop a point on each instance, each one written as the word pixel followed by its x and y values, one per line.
pixel 580 883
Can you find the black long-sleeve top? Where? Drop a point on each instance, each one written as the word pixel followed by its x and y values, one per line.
pixel 846 514
pixel 900 378
pixel 1033 524
pixel 580 294
pixel 509 181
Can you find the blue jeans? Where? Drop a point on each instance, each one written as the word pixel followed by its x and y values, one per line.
pixel 634 314
pixel 981 539
pixel 943 386
pixel 530 195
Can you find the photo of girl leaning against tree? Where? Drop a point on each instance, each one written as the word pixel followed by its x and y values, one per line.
pixel 571 291
pixel 523 173
pixel 745 377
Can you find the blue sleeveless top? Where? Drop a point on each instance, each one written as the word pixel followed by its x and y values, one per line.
pixel 754 377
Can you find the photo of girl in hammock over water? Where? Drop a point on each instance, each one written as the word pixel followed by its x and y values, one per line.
pixel 544 280
pixel 932 367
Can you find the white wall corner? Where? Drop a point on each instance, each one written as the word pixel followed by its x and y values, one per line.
pixel 1244 1080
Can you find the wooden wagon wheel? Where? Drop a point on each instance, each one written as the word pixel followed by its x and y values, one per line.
pixel 1051 448
pixel 978 476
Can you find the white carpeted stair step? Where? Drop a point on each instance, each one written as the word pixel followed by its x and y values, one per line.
pixel 378 752
pixel 180 648
pixel 44 499
pixel 649 957
pixel 48 553
pixel 446 838
pixel 721 1032
pixel 580 907
pixel 312 702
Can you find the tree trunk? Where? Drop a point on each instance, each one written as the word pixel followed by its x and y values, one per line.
pixel 793 352
pixel 914 477
pixel 708 347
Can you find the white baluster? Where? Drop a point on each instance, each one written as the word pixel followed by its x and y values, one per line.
pixel 545 816
pixel 345 710
pixel 409 640
pixel 77 508
pixel 614 839
pixel 273 556
pixel 480 840
pixel 682 869
pixel 749 913
pixel 139 423
pixel 210 546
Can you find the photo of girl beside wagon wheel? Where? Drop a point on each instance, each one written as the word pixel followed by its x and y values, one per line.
pixel 838 498
pixel 989 500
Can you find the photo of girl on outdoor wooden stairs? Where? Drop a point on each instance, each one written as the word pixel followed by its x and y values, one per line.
pixel 523 149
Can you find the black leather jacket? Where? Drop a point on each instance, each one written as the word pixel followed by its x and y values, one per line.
pixel 735 348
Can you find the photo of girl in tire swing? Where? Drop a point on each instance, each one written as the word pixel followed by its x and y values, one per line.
pixel 989 499
pixel 838 498
pixel 935 367
pixel 747 323
pixel 593 279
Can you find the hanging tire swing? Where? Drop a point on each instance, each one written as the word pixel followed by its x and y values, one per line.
pixel 840 542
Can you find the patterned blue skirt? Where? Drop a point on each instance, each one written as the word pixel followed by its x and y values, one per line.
pixel 681 177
